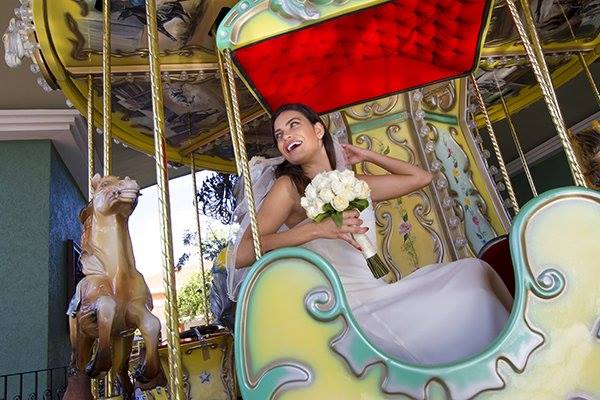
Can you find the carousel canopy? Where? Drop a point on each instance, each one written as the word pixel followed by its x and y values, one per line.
pixel 366 54
pixel 63 38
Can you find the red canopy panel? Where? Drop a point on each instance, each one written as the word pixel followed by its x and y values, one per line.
pixel 371 53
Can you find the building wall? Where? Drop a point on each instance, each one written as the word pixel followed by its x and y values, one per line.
pixel 38 208
pixel 65 203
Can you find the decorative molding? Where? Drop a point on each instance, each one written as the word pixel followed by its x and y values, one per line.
pixel 548 148
pixel 66 128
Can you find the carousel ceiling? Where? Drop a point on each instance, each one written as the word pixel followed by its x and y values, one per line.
pixel 64 40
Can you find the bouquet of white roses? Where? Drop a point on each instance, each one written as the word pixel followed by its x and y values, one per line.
pixel 330 194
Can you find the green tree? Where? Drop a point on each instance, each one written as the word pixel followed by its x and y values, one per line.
pixel 190 298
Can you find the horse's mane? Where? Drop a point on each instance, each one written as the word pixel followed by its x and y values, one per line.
pixel 85 216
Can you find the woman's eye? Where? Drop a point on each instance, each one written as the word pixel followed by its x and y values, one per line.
pixel 293 124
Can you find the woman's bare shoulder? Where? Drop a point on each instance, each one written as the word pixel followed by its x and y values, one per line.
pixel 284 187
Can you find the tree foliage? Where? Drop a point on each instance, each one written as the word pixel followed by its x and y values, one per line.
pixel 216 197
pixel 190 298
pixel 213 241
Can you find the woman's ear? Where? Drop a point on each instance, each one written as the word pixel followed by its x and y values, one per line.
pixel 319 130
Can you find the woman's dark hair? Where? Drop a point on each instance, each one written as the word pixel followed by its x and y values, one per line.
pixel 295 171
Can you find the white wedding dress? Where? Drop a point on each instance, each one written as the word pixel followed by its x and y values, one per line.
pixel 438 314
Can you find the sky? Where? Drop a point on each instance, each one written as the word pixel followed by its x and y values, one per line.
pixel 144 226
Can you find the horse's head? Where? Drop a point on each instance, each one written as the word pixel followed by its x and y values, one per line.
pixel 113 195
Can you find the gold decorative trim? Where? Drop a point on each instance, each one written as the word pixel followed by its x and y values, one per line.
pixel 421 211
pixel 373 109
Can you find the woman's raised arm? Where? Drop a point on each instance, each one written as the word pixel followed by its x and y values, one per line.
pixel 404 178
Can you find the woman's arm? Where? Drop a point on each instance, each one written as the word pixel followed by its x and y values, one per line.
pixel 275 210
pixel 404 178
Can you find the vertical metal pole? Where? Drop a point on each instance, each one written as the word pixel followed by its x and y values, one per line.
pixel 175 366
pixel 238 139
pixel 107 88
pixel 107 126
pixel 488 123
pixel 90 135
pixel 540 69
pixel 515 137
pixel 199 230
pixel 228 108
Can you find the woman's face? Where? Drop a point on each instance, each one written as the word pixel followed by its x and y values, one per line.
pixel 297 138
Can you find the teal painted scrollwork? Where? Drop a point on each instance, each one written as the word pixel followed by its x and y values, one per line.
pixel 302 10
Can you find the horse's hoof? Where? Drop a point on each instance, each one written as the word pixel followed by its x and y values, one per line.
pixel 145 383
pixel 78 386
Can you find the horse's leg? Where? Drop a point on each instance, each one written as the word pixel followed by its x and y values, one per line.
pixel 105 313
pixel 78 384
pixel 121 351
pixel 149 326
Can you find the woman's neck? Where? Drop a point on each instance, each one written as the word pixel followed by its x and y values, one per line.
pixel 319 163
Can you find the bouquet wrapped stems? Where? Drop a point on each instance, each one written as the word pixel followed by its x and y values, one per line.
pixel 330 194
pixel 375 263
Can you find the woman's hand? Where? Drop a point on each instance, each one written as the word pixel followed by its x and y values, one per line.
pixel 351 223
pixel 355 155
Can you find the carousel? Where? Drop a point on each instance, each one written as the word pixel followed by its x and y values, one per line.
pixel 194 82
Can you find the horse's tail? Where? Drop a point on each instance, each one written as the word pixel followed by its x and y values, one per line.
pixel 105 313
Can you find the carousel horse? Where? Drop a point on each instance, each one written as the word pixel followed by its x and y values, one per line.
pixel 112 300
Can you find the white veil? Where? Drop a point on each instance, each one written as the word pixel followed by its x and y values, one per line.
pixel 262 174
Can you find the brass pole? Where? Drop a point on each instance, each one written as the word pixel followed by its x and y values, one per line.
pixel 228 108
pixel 582 61
pixel 107 124
pixel 540 69
pixel 175 367
pixel 90 135
pixel 488 124
pixel 515 137
pixel 107 88
pixel 238 139
pixel 199 230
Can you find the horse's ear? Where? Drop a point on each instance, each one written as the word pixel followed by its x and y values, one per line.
pixel 85 212
pixel 96 181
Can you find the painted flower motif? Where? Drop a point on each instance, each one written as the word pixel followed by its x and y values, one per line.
pixel 467 201
pixel 475 221
pixel 404 228
pixel 456 172
pixel 450 152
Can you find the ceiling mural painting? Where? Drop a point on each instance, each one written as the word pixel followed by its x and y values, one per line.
pixel 583 15
pixel 195 114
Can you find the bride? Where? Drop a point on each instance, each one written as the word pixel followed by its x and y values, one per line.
pixel 438 314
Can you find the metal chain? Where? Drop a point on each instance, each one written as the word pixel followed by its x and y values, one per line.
pixel 238 136
pixel 490 129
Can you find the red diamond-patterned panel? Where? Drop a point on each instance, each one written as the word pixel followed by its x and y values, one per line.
pixel 374 52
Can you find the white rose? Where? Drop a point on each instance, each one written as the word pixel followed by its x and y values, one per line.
pixel 337 187
pixel 363 191
pixel 319 181
pixel 349 193
pixel 304 202
pixel 340 203
pixel 319 206
pixel 347 177
pixel 312 212
pixel 310 192
pixel 326 195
